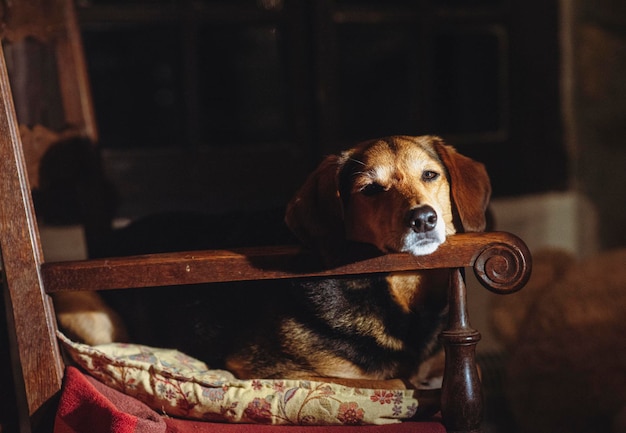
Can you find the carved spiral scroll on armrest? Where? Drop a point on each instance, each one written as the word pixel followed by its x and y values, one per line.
pixel 503 267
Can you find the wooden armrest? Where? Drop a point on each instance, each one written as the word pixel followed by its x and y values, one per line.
pixel 500 261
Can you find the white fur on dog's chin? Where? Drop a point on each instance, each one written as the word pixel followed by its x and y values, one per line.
pixel 420 244
pixel 420 248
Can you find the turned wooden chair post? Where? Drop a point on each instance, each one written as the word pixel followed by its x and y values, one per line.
pixel 460 340
pixel 501 267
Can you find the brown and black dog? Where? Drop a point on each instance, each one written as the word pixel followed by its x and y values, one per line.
pixel 399 194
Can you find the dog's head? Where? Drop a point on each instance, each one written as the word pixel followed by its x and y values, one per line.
pixel 400 194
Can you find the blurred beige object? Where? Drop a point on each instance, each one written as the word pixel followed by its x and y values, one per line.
pixel 566 335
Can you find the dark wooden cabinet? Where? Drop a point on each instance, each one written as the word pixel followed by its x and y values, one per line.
pixel 216 105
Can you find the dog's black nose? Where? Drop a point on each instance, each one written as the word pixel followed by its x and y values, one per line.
pixel 422 219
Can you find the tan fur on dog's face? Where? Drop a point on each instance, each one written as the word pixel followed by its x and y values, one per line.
pixel 388 181
pixel 400 194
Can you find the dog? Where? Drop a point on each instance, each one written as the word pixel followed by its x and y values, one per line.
pixel 394 194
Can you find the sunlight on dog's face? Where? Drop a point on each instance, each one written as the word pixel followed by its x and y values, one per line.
pixel 396 196
pixel 396 193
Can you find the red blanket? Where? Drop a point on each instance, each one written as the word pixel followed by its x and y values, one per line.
pixel 88 406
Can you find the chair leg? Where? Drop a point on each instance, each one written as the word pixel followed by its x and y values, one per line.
pixel 461 400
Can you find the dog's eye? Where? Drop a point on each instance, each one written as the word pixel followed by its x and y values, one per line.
pixel 429 176
pixel 372 189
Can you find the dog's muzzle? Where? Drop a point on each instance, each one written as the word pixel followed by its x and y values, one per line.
pixel 425 231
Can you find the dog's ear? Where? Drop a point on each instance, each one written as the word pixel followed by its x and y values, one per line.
pixel 469 187
pixel 315 213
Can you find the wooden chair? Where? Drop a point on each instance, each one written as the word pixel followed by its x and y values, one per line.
pixel 500 260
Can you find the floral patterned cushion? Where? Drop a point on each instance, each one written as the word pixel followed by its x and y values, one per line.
pixel 173 383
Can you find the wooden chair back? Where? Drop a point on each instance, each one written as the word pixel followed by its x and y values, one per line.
pixel 50 86
pixel 500 260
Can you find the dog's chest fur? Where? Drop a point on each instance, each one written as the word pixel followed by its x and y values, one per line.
pixel 374 327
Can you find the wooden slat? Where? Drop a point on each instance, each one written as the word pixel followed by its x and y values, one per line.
pixel 260 264
pixel 33 342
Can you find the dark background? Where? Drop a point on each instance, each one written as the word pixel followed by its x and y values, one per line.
pixel 227 105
